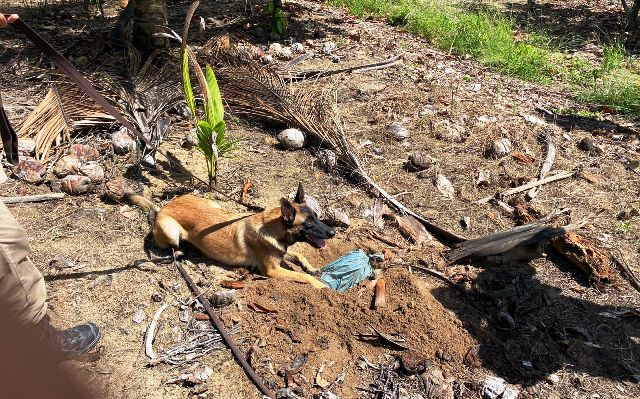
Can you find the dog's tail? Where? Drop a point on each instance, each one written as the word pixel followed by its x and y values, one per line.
pixel 120 190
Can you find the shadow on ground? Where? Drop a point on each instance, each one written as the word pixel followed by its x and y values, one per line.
pixel 528 330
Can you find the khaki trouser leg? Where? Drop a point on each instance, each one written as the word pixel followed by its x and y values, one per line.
pixel 22 288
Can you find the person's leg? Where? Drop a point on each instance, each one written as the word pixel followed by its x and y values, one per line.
pixel 22 288
pixel 23 292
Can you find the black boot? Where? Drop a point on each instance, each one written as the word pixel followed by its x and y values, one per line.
pixel 74 341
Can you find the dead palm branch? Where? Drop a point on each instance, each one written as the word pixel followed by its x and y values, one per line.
pixel 143 92
pixel 64 110
pixel 257 91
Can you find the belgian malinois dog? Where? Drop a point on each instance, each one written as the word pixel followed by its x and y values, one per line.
pixel 257 240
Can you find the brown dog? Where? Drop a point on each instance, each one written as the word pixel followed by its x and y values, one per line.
pixel 261 239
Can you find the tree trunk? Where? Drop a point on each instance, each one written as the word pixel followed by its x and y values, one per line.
pixel 148 17
pixel 632 16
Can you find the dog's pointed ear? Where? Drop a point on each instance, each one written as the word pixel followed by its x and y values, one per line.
pixel 288 212
pixel 299 195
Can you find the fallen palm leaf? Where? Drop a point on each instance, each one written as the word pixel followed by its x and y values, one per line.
pixel 63 111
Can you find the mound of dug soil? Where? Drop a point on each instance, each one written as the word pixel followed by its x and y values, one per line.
pixel 324 326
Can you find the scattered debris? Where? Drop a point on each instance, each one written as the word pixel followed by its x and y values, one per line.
pixel 256 307
pixel 534 120
pixel 413 229
pixel 291 139
pixel 220 299
pixel 196 376
pixel 390 339
pixel 337 217
pixel 493 387
pixel 419 161
pixel 399 132
pixel 327 159
pixel 245 191
pixel 484 178
pixel 551 378
pixel 151 331
pixel 522 157
pixel 414 363
pixel 527 186
pixel 546 165
pixel 587 144
pixel 588 258
pixel 139 316
pixel 465 222
pixel 231 284
pixel 500 148
pixel 190 138
pixel 444 185
pixel 31 198
pixel 329 47
pixel 379 294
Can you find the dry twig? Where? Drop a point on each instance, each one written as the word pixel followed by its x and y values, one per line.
pixel 32 198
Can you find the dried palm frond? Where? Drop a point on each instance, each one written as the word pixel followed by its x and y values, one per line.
pixel 64 109
pixel 143 91
pixel 258 91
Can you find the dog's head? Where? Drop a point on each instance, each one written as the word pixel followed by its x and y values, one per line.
pixel 302 223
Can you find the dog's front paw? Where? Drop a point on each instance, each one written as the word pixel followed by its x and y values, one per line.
pixel 318 284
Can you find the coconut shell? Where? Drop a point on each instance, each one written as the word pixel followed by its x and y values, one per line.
pixel 67 165
pixel 76 185
pixel 122 142
pixel 30 171
pixel 84 151
pixel 419 161
pixel 93 171
pixel 500 148
pixel 118 188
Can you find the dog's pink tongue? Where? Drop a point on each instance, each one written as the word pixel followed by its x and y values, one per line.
pixel 319 241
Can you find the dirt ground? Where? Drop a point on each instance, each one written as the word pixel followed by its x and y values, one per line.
pixel 569 340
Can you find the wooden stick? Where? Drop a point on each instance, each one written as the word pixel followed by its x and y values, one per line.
pixel 440 276
pixel 385 240
pixel 525 187
pixel 32 198
pixel 151 331
pixel 546 165
pixel 626 272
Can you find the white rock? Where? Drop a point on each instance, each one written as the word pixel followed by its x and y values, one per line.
pixel 534 120
pixel 297 47
pixel 329 47
pixel 399 132
pixel 148 160
pixel 190 139
pixel 139 316
pixel 493 387
pixel 484 178
pixel 267 59
pixel 338 217
pixel 501 147
pixel 291 139
pixel 510 393
pixel 275 48
pixel 444 185
pixel 286 53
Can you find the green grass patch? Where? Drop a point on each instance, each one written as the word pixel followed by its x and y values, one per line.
pixel 490 37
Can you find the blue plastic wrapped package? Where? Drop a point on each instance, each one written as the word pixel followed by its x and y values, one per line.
pixel 346 272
